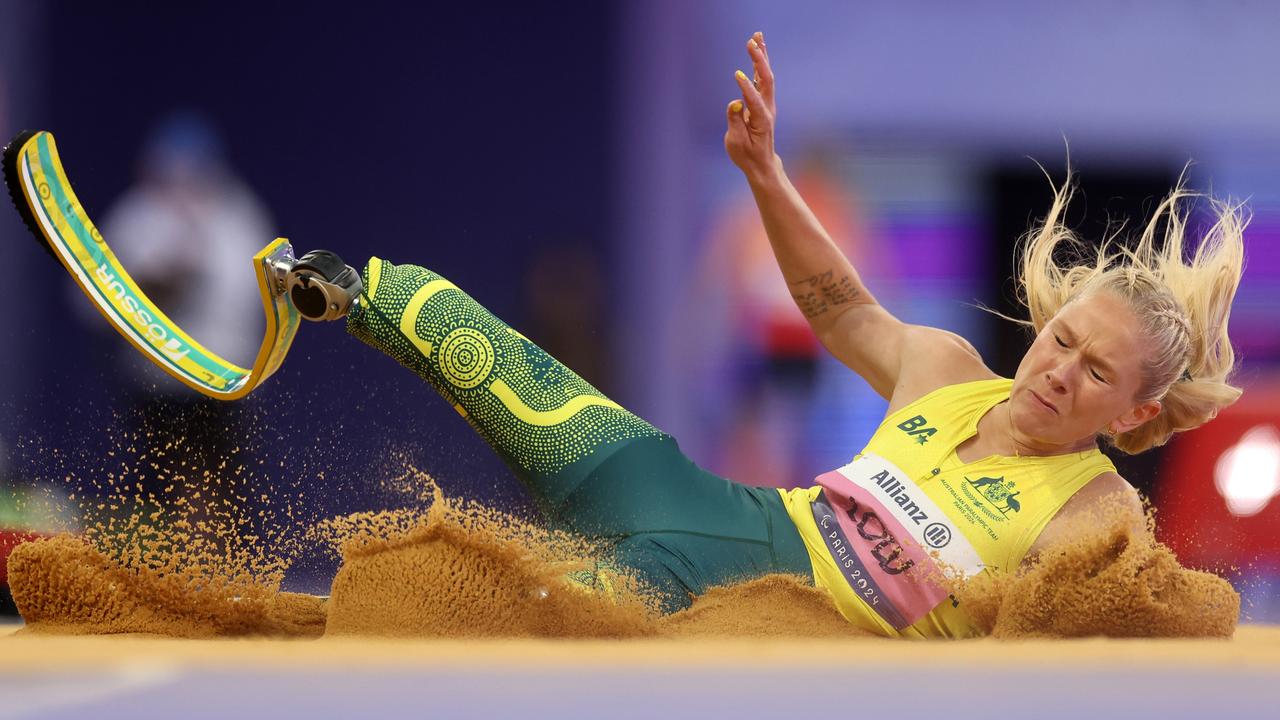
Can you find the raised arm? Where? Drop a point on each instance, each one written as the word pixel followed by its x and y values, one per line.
pixel 826 287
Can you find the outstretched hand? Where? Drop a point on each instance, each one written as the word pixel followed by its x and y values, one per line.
pixel 749 138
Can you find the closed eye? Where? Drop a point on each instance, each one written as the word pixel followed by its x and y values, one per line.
pixel 1091 370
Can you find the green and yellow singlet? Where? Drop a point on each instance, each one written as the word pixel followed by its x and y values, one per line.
pixel 878 528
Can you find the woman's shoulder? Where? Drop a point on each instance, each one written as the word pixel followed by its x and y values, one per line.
pixel 1108 487
pixel 934 359
pixel 1108 498
pixel 1105 502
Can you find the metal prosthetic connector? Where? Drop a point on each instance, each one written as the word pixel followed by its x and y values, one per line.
pixel 319 285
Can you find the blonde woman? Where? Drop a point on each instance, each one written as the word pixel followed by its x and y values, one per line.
pixel 968 469
pixel 979 470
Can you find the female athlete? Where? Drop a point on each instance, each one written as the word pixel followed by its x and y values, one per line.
pixel 969 470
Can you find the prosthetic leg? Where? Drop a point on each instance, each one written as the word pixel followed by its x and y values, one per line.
pixel 318 286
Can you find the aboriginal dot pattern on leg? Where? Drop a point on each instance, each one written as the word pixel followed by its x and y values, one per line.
pixel 466 357
pixel 473 356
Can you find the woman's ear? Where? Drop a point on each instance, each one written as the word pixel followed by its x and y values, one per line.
pixel 1136 416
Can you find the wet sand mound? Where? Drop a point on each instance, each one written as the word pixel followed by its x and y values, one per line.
pixel 64 585
pixel 771 606
pixel 444 579
pixel 1117 583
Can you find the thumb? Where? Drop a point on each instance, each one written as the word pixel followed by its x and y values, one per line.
pixel 734 112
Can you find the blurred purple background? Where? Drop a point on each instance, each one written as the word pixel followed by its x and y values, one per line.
pixel 565 166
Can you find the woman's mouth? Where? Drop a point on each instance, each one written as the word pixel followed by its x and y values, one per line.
pixel 1044 403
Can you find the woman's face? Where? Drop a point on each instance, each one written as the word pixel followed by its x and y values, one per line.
pixel 1081 374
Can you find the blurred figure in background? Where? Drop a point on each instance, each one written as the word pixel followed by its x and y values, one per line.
pixel 757 339
pixel 187 232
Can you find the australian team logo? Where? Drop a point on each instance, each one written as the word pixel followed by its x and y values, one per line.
pixel 1001 494
pixel 917 428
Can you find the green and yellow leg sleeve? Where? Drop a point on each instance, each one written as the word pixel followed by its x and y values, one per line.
pixel 591 466
pixel 551 426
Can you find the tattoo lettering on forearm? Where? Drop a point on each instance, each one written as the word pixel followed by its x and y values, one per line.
pixel 818 294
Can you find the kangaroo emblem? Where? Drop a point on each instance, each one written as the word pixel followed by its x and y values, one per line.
pixel 999 493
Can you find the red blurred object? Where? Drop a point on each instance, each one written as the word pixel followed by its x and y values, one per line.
pixel 1193 517
pixel 789 337
pixel 10 539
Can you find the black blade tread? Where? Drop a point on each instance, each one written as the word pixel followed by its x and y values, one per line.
pixel 13 183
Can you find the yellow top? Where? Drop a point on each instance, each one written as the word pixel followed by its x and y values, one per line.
pixel 880 529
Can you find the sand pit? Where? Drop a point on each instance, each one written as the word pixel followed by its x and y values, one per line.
pixel 459 570
pixel 463 612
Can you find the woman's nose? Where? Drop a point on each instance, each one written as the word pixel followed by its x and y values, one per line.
pixel 1057 376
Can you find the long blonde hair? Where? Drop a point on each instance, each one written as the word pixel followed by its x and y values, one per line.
pixel 1182 306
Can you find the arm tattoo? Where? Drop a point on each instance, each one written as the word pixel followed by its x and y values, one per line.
pixel 822 292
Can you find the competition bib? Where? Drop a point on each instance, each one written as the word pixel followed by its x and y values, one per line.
pixel 893 545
